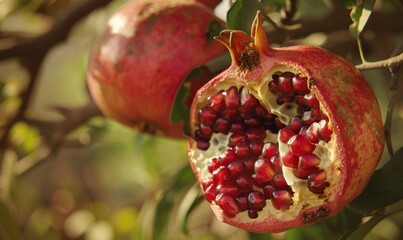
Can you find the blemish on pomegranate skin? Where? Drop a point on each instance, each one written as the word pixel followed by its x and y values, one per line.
pixel 316 216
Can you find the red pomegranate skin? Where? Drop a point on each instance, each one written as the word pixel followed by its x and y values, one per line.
pixel 351 106
pixel 145 53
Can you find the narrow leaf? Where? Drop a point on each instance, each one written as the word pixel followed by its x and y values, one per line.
pixel 241 14
pixel 363 230
pixel 193 82
pixel 188 204
pixel 8 224
pixel 360 13
pixel 384 188
pixel 343 222
pixel 183 178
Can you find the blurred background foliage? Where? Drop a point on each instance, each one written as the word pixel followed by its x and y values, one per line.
pixel 99 180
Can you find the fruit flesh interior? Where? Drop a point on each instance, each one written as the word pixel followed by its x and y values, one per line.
pixel 296 195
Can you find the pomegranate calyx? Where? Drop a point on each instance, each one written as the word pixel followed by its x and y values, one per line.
pixel 259 35
pixel 241 48
pixel 245 51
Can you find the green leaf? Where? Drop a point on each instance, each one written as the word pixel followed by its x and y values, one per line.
pixel 384 188
pixel 360 13
pixel 241 14
pixel 183 178
pixel 345 221
pixel 189 202
pixel 193 82
pixel 213 29
pixel 8 224
pixel 362 230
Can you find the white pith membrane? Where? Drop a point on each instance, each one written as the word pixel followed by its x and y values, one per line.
pixel 302 197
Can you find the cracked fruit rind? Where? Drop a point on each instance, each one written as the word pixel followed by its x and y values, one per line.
pixel 285 137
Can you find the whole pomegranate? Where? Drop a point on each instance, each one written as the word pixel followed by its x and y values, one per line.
pixel 146 52
pixel 284 137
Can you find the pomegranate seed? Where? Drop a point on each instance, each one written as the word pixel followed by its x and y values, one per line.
pixel 253 122
pixel 227 203
pixel 302 174
pixel 228 188
pixel 295 124
pixel 324 131
pixel 270 149
pixel 290 160
pixel 256 134
pixel 207 182
pixel 242 203
pixel 222 125
pixel 308 118
pixel 242 149
pixel 308 161
pixel 256 201
pixel 279 181
pixel 207 116
pixel 232 98
pixel 248 101
pixel 285 83
pixel 300 85
pixel 221 175
pixel 202 145
pixel 283 99
pixel 317 181
pixel 252 214
pixel 282 199
pixel 268 191
pixel 236 138
pixel 261 112
pixel 285 134
pixel 311 101
pixel 210 193
pixel 227 157
pixel 237 127
pixel 264 171
pixel 205 131
pixel 216 102
pixel 300 145
pixel 312 133
pixel 276 163
pixel 244 182
pixel 250 164
pixel 300 100
pixel 278 123
pixel 213 164
pixel 236 168
pixel 274 88
pixel 230 114
pixel 318 188
pixel 256 148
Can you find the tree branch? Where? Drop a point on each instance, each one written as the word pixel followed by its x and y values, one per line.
pixel 387 63
pixel 32 54
pixel 74 119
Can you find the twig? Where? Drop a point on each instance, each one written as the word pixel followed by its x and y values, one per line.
pixel 387 63
pixel 288 13
pixel 32 53
pixel 74 119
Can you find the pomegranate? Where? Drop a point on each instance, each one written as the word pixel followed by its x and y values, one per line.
pixel 284 137
pixel 143 57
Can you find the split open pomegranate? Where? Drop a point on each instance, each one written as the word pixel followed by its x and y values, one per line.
pixel 285 137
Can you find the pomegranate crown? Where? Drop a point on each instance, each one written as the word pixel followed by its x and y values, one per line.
pixel 245 51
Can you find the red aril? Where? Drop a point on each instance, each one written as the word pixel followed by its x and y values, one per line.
pixel 318 122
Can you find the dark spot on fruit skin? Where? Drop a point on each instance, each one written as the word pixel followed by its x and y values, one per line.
pixel 316 216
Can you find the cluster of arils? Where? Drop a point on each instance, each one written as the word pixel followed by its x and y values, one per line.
pixel 249 170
